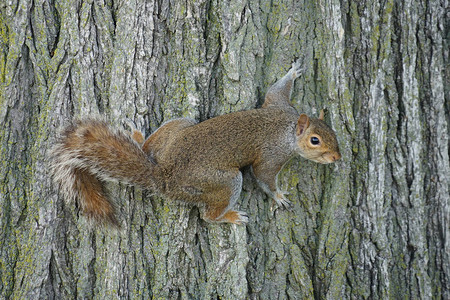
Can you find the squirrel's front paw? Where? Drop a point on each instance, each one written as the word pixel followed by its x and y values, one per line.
pixel 297 68
pixel 281 200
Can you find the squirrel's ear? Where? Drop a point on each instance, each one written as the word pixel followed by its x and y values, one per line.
pixel 302 124
pixel 321 114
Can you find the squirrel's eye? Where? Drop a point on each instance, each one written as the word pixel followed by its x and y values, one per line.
pixel 315 140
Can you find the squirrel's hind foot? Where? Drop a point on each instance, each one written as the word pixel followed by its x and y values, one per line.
pixel 235 217
pixel 231 216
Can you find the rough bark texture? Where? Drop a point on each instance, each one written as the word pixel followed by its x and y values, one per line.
pixel 373 226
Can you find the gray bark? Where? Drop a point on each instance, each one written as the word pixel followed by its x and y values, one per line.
pixel 374 225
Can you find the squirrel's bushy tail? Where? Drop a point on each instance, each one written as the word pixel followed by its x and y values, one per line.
pixel 90 152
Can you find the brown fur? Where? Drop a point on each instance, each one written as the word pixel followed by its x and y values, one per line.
pixel 98 207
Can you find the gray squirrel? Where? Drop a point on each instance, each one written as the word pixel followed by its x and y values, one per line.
pixel 193 162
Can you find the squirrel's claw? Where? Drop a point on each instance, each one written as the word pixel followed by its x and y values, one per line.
pixel 242 219
pixel 231 216
pixel 282 201
pixel 299 67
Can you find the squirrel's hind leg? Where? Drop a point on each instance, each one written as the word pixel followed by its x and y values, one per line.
pixel 136 135
pixel 220 201
pixel 158 140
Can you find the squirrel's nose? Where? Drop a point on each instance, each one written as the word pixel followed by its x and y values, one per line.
pixel 332 157
pixel 336 156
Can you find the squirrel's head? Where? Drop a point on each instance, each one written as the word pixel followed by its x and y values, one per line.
pixel 316 141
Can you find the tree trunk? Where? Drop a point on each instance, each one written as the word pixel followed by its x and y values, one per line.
pixel 374 225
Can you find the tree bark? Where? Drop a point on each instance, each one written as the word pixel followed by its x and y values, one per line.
pixel 374 225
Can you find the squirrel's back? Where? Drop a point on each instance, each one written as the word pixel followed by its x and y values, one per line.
pixel 220 140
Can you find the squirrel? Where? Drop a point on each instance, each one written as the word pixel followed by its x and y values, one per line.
pixel 199 163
